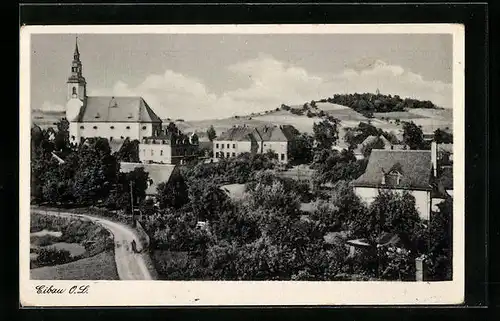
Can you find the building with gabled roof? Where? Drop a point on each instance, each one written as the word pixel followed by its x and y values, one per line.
pixel 105 116
pixel 398 171
pixel 245 139
pixel 158 173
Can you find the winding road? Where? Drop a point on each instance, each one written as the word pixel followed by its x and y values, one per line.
pixel 129 265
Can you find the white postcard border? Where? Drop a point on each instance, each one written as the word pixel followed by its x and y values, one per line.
pixel 201 293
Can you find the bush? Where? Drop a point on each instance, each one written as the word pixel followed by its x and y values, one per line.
pixel 52 256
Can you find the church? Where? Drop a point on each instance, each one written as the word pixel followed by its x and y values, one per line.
pixel 114 118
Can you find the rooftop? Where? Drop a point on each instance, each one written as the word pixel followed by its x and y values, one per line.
pixel 415 167
pixel 158 173
pixel 117 109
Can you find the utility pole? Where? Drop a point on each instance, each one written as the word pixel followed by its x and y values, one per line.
pixel 132 202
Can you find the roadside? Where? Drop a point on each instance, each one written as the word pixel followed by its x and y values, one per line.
pixel 130 265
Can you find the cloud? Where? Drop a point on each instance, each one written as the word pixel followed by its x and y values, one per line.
pixel 273 82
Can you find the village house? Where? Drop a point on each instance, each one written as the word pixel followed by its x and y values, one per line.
pixel 167 149
pixel 358 152
pixel 254 140
pixel 158 173
pixel 416 171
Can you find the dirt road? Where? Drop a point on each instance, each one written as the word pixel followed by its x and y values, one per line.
pixel 130 265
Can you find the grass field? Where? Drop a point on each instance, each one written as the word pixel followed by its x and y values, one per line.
pixel 99 267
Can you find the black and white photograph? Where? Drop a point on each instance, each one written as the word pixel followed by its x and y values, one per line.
pixel 302 157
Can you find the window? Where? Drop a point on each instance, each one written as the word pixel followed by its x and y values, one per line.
pixel 282 157
pixel 74 88
pixel 228 154
pixel 143 127
pixel 97 115
pixel 81 127
pixel 234 145
pixel 393 178
pixel 122 137
pixel 216 154
pixel 221 146
pixel 128 127
pixel 216 145
pixel 161 152
pixel 227 145
pixel 111 138
pixel 128 137
pixel 234 154
pixel 95 127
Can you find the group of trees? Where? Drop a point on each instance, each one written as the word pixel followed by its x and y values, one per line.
pixel 89 173
pixel 377 103
pixel 265 236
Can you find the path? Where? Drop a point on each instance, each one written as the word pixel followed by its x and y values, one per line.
pixel 130 265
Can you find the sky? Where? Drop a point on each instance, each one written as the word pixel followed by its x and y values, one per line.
pixel 206 76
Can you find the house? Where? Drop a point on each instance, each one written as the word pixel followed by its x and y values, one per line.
pixel 166 149
pixel 358 152
pixel 235 141
pixel 398 171
pixel 275 138
pixel 158 173
pixel 254 140
pixel 109 117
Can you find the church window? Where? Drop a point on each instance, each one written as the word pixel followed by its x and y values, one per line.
pixel 112 127
pixel 81 127
pixel 128 127
pixel 161 152
pixel 95 127
pixel 74 90
pixel 143 127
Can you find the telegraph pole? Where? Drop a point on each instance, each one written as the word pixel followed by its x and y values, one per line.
pixel 132 202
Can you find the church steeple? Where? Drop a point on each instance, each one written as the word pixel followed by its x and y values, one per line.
pixel 76 82
pixel 76 54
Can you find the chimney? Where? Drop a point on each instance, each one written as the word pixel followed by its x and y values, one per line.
pixel 434 158
pixel 420 268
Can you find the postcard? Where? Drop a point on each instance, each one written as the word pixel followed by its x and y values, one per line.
pixel 203 165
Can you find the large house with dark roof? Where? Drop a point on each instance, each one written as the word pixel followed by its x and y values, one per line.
pixel 398 170
pixel 423 173
pixel 254 140
pixel 114 118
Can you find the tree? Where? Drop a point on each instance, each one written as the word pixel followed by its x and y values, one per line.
pixel 129 152
pixel 211 134
pixel 207 200
pixel 393 212
pixel 61 140
pixel 119 196
pixel 440 252
pixel 301 149
pixel 377 143
pixel 173 193
pixel 326 133
pixel 413 136
pixel 96 172
pixel 442 137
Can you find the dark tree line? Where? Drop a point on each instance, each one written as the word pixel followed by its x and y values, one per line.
pixel 368 103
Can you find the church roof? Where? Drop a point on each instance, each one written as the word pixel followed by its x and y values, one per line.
pixel 117 109
pixel 415 166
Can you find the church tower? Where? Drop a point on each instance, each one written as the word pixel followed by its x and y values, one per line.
pixel 76 84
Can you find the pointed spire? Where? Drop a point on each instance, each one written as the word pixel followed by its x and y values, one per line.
pixel 76 55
